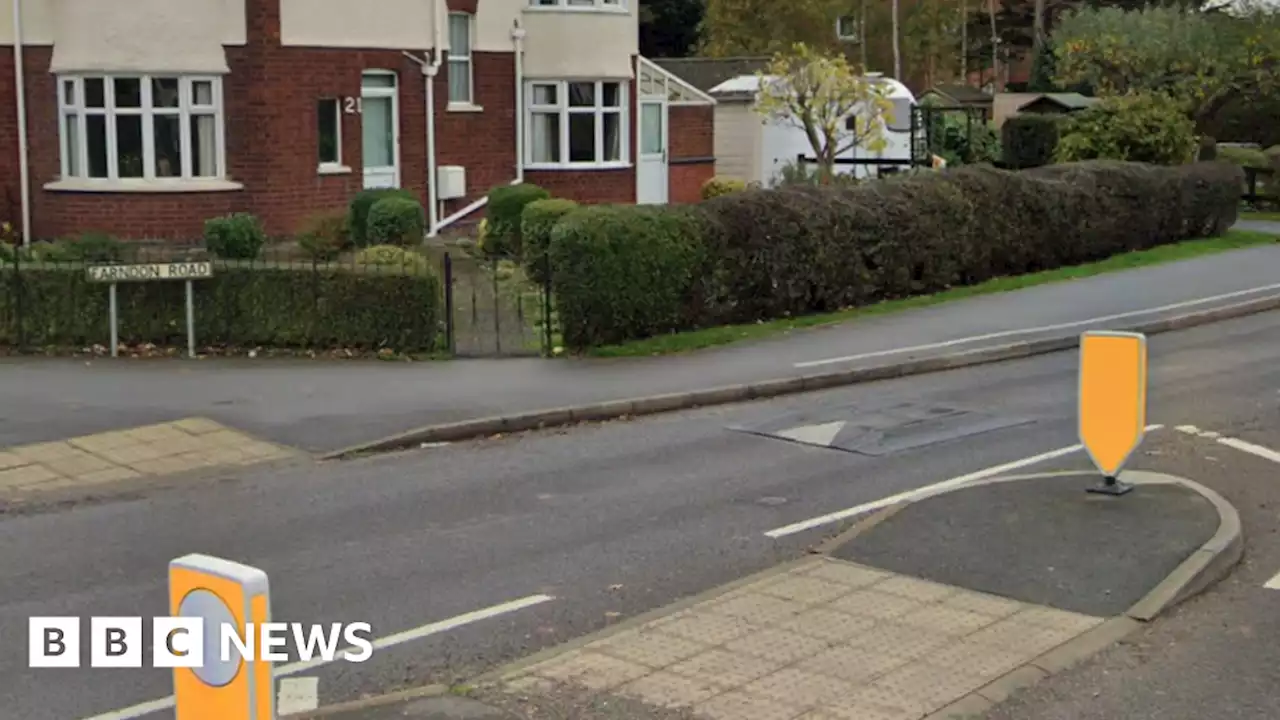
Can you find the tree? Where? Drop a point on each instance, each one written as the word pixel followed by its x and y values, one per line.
pixel 765 27
pixel 669 28
pixel 837 108
pixel 1201 60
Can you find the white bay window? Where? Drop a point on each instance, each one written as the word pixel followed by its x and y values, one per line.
pixel 576 124
pixel 141 127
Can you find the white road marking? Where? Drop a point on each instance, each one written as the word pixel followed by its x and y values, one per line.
pixel 1043 328
pixel 418 633
pixel 298 695
pixel 926 490
pixel 1242 445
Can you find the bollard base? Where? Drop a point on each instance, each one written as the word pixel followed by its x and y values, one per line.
pixel 1111 486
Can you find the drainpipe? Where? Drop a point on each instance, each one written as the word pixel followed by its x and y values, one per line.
pixel 517 37
pixel 20 90
pixel 430 70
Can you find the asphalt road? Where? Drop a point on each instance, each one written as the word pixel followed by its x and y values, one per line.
pixel 326 405
pixel 610 520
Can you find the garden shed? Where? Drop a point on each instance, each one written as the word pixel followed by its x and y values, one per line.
pixel 753 148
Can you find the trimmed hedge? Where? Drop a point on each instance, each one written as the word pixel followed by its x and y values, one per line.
pixel 536 223
pixel 755 255
pixel 1029 140
pixel 299 308
pixel 621 272
pixel 396 221
pixel 359 207
pixel 504 214
pixel 238 236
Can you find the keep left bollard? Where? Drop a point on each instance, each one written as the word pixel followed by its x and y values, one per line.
pixel 222 593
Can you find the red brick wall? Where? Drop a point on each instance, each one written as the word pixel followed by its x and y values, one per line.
pixel 691 132
pixel 270 100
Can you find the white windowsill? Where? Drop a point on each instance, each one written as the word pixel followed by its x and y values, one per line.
pixel 333 169
pixel 464 108
pixel 143 186
pixel 578 166
pixel 606 10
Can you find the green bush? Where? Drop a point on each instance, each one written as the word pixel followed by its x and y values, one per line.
pixel 536 223
pixel 397 221
pixel 302 308
pixel 1028 140
pixel 324 236
pixel 962 141
pixel 393 257
pixel 361 204
pixel 622 272
pixel 504 214
pixel 1149 128
pixel 1244 157
pixel 717 186
pixel 238 236
pixel 758 255
pixel 90 247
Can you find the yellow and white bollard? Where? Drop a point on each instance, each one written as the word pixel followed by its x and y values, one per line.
pixel 221 592
pixel 1113 402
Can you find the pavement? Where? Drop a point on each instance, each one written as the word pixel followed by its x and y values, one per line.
pixel 323 406
pixel 468 557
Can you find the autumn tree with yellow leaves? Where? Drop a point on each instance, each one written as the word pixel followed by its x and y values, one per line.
pixel 823 95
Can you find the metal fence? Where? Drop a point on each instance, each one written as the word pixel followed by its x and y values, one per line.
pixel 432 300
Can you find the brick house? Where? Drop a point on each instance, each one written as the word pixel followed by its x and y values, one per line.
pixel 145 118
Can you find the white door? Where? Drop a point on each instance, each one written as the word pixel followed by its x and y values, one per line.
pixel 380 128
pixel 651 160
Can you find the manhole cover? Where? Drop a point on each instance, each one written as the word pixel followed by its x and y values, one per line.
pixel 882 430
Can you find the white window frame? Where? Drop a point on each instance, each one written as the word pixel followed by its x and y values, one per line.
pixel 335 165
pixel 564 111
pixel 855 23
pixel 464 61
pixel 578 5
pixel 187 109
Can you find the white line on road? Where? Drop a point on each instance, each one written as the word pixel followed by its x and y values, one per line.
pixel 926 490
pixel 298 695
pixel 418 633
pixel 1242 445
pixel 1043 328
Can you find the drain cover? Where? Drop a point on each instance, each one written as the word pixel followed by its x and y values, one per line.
pixel 880 431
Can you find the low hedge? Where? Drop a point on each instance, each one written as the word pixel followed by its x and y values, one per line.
pixel 504 213
pixel 755 255
pixel 537 221
pixel 621 272
pixel 48 304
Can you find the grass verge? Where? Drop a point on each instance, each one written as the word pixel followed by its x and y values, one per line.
pixel 1268 216
pixel 725 335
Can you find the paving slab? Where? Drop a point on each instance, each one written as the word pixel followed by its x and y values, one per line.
pixel 187 445
pixel 1044 541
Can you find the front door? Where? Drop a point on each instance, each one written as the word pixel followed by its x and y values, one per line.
pixel 651 161
pixel 380 128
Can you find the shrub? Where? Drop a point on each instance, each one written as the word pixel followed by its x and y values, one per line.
pixel 1244 157
pixel 504 214
pixel 756 255
pixel 90 247
pixel 238 236
pixel 1149 128
pixel 623 272
pixel 361 204
pixel 393 257
pixel 1028 140
pixel 963 141
pixel 717 186
pixel 397 221
pixel 325 236
pixel 312 308
pixel 536 223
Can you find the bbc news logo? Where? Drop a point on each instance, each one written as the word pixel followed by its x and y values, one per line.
pixel 188 642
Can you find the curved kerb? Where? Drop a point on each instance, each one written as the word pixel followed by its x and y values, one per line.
pixel 1201 570
pixel 626 408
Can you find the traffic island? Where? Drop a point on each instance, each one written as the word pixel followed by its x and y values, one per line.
pixel 936 609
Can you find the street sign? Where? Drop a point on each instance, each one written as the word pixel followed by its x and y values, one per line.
pixel 113 274
pixel 222 592
pixel 151 271
pixel 1113 401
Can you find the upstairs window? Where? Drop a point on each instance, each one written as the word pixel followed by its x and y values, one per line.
pixel 461 82
pixel 579 4
pixel 141 127
pixel 848 28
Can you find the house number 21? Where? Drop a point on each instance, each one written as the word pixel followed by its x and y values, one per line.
pixel 352 106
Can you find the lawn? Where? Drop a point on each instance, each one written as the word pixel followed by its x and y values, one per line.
pixel 725 335
pixel 1270 216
